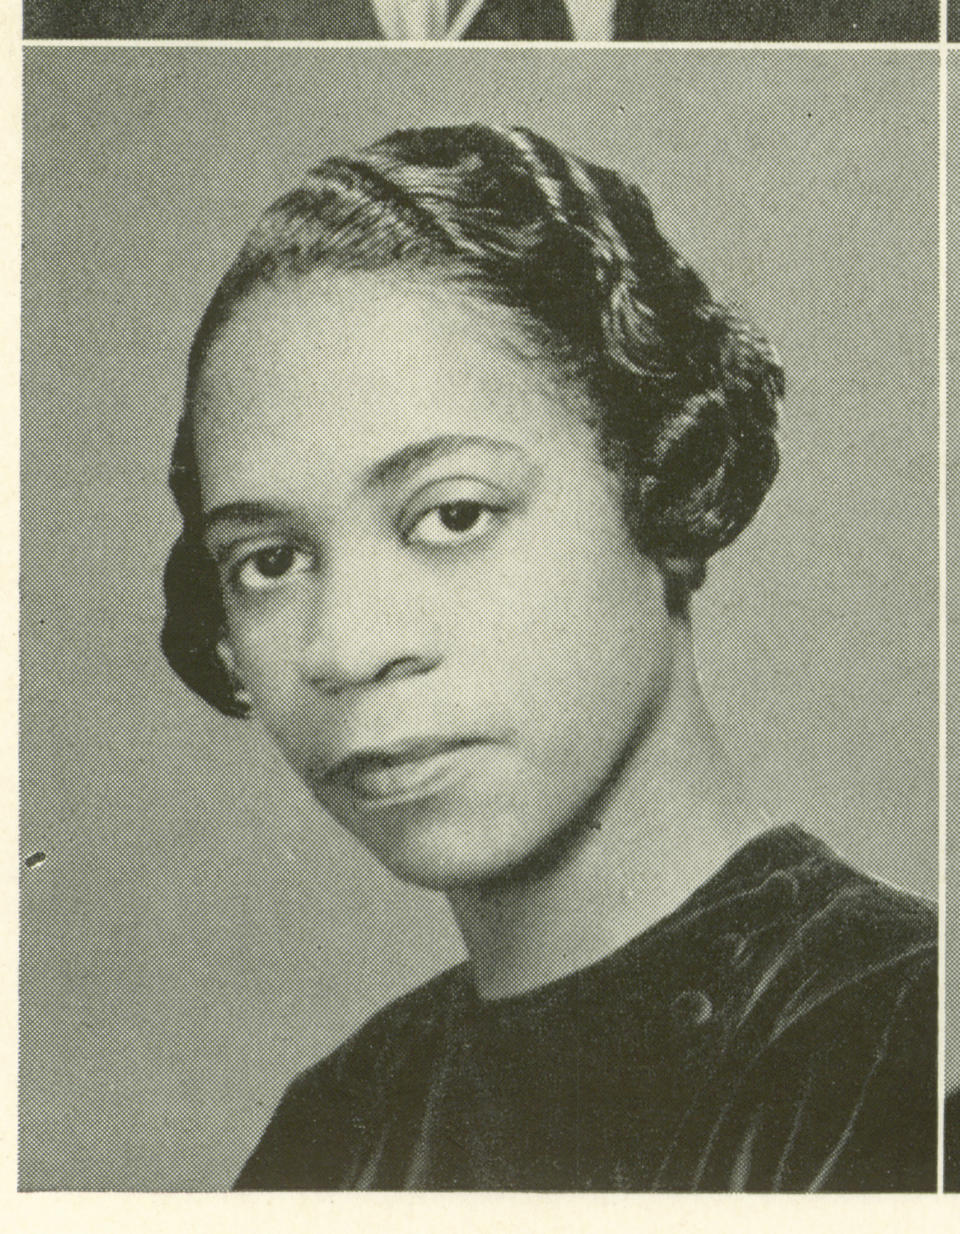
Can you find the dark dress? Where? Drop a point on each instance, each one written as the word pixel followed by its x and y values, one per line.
pixel 776 1033
pixel 951 1142
pixel 762 20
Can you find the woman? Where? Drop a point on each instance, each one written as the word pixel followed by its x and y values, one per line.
pixel 461 432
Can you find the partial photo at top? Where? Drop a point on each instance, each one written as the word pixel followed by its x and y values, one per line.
pixel 892 21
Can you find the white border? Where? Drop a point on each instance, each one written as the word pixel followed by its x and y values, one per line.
pixel 104 1213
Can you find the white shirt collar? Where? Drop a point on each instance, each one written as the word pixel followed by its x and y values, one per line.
pixel 401 20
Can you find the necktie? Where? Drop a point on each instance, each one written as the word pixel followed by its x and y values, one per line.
pixel 473 19
pixel 524 20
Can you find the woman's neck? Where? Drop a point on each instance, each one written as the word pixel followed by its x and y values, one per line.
pixel 676 811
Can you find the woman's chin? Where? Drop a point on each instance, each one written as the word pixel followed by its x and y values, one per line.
pixel 447 853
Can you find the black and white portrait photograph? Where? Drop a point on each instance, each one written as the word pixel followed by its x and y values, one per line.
pixel 451 21
pixel 480 659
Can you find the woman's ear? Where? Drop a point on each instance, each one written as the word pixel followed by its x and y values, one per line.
pixel 227 659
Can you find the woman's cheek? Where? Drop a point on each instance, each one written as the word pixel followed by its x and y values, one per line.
pixel 265 656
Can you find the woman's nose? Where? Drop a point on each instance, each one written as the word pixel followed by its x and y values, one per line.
pixel 362 626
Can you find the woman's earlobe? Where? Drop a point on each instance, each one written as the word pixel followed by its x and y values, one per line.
pixel 225 655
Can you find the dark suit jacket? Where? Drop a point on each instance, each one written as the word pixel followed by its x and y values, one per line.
pixel 820 20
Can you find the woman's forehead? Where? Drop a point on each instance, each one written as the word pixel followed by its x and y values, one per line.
pixel 339 375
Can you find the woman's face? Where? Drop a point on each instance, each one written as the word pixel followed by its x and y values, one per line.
pixel 431 597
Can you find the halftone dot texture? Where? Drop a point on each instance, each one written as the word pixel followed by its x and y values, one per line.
pixel 952 932
pixel 197 932
pixel 742 20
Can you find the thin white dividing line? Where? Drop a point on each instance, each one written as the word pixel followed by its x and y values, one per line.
pixel 942 562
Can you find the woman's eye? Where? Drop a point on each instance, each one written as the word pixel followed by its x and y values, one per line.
pixel 452 522
pixel 269 566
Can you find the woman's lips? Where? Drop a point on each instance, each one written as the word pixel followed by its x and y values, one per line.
pixel 411 771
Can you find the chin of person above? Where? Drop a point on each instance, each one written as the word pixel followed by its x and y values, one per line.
pixel 461 432
pixel 533 20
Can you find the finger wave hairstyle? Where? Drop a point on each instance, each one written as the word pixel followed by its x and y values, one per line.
pixel 683 394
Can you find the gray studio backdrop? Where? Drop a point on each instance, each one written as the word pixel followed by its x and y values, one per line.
pixel 198 932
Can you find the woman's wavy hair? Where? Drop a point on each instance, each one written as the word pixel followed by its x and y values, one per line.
pixel 683 394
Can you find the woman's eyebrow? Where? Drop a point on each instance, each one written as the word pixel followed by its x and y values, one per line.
pixel 390 470
pixel 249 513
pixel 410 458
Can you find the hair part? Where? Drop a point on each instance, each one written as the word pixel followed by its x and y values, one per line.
pixel 683 395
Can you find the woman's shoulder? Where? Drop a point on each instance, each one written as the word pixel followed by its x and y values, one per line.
pixel 826 1018
pixel 333 1106
pixel 792 881
pixel 842 925
pixel 805 928
pixel 382 1039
